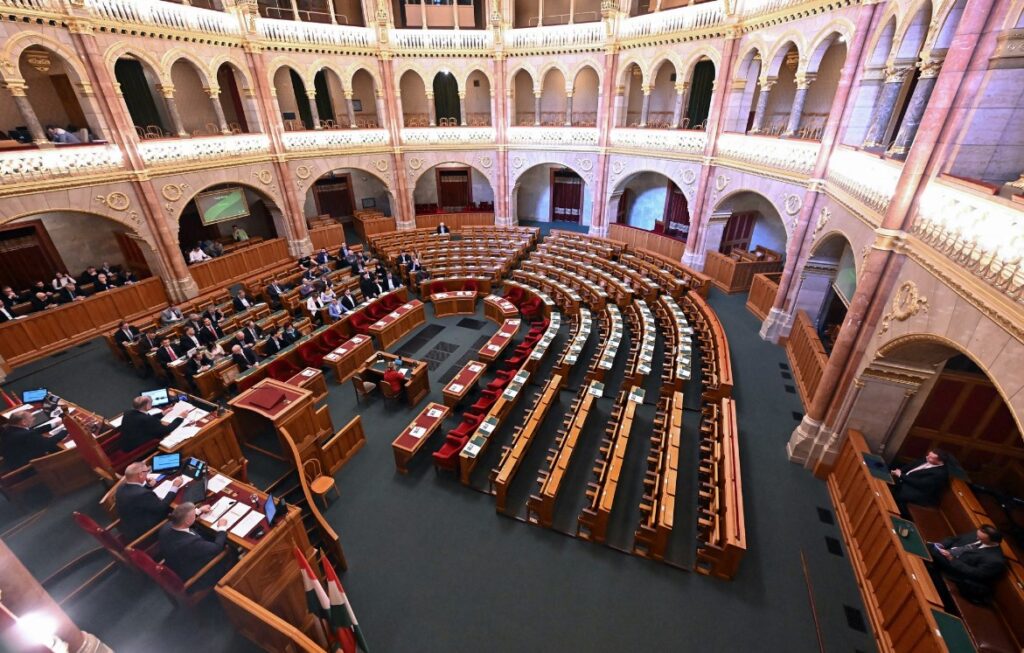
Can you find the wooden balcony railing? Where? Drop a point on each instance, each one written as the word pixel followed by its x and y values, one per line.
pixel 735 273
pixel 228 269
pixel 806 356
pixel 763 289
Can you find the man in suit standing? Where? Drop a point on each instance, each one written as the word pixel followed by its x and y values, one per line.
pixel 244 357
pixel 210 332
pixel 137 505
pixel 20 442
pixel 241 301
pixel 139 427
pixel 185 552
pixel 921 482
pixel 442 228
pixel 974 561
pixel 125 334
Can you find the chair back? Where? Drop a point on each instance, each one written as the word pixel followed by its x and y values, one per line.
pixel 312 470
pixel 112 543
pixel 357 382
pixel 168 581
pixel 387 390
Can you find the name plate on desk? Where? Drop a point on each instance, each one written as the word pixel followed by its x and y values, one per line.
pixel 434 413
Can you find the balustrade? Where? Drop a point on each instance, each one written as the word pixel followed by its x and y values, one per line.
pixel 448 136
pixel 866 177
pixel 778 154
pixel 684 142
pixel 569 136
pixel 436 41
pixel 290 31
pixel 694 17
pixel 176 150
pixel 340 139
pixel 556 36
pixel 163 14
pixel 25 165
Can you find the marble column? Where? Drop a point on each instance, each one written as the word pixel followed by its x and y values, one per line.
pixel 28 114
pixel 796 113
pixel 568 109
pixel 645 108
pixel 915 110
pixel 885 105
pixel 536 108
pixel 462 107
pixel 172 111
pixel 313 111
pixel 218 110
pixel 381 109
pixel 682 94
pixel 351 109
pixel 762 105
pixel 431 110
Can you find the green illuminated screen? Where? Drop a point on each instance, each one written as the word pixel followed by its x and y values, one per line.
pixel 221 205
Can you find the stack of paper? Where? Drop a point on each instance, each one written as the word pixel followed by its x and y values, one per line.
pixel 217 483
pixel 231 516
pixel 179 435
pixel 248 523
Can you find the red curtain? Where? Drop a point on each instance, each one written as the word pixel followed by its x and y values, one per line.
pixel 677 213
pixel 566 197
pixel 738 231
pixel 453 189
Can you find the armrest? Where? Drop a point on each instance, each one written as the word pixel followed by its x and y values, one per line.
pixel 145 536
pixel 202 572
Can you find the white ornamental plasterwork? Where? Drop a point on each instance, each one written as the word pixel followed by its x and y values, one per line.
pixel 776 154
pixel 865 177
pixel 906 303
pixel 167 152
pixel 485 162
pixel 303 172
pixel 552 136
pixel 116 201
pixel 33 165
pixel 448 136
pixel 518 162
pixel 265 177
pixel 721 181
pixel 335 139
pixel 791 204
pixel 381 165
pixel 689 176
pixel 676 141
pixel 824 216
pixel 415 163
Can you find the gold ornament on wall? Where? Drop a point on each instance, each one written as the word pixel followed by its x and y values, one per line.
pixel 265 176
pixel 173 192
pixel 303 172
pixel 823 219
pixel 906 303
pixel 38 59
pixel 117 201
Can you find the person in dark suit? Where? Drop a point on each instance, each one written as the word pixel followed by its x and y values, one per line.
pixel 147 343
pixel 166 354
pixel 389 282
pixel 139 427
pixel 137 505
pixel 244 357
pixel 239 340
pixel 195 320
pixel 125 334
pixel 197 364
pixel 310 274
pixel 242 302
pixel 189 341
pixel 103 282
pixel 404 258
pixel 69 293
pixel 214 313
pixel 369 286
pixel 974 561
pixel 274 291
pixel 275 343
pixel 442 228
pixel 6 314
pixel 20 442
pixel 185 552
pixel 210 332
pixel 89 276
pixel 322 257
pixel 291 335
pixel 348 300
pixel 42 301
pixel 9 297
pixel 921 482
pixel 252 332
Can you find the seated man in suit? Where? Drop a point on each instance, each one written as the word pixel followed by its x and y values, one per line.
pixel 290 335
pixel 196 322
pixel 275 342
pixel 322 257
pixel 252 332
pixel 170 315
pixel 921 482
pixel 9 297
pixel 42 301
pixel 274 291
pixel 306 289
pixel 69 293
pixel 210 332
pixel 147 343
pixel 442 228
pixel 388 282
pixel 185 552
pixel 974 561
pixel 20 442
pixel 125 334
pixel 404 258
pixel 242 302
pixel 239 340
pixel 166 354
pixel 103 282
pixel 394 378
pixel 344 257
pixel 89 276
pixel 197 364
pixel 215 314
pixel 311 273
pixel 368 286
pixel 348 300
pixel 244 357
pixel 139 427
pixel 336 309
pixel 6 314
pixel 189 341
pixel 137 505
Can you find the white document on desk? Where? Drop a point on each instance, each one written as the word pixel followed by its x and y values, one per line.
pixel 217 483
pixel 232 516
pixel 116 422
pixel 218 509
pixel 165 488
pixel 180 409
pixel 249 522
pixel 179 435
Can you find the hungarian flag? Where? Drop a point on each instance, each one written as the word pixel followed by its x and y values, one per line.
pixel 343 620
pixel 316 598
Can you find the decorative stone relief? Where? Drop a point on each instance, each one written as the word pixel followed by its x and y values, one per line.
pixel 791 203
pixel 689 177
pixel 265 176
pixel 823 219
pixel 721 181
pixel 906 303
pixel 517 162
pixel 173 192
pixel 415 163
pixel 117 201
pixel 485 162
pixel 303 172
pixel 381 165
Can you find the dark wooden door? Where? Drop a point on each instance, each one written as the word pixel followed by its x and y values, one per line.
pixel 27 255
pixel 566 196
pixel 334 196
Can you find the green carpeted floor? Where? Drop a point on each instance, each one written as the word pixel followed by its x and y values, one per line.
pixel 434 568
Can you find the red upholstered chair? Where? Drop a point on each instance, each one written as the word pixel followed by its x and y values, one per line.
pixel 434 288
pixel 310 355
pixel 447 457
pixel 121 459
pixel 515 361
pixel 376 310
pixel 108 539
pixel 175 589
pixel 471 284
pixel 500 382
pixel 332 339
pixel 531 309
pixel 282 370
pixel 390 302
pixel 463 430
pixel 360 323
pixel 515 294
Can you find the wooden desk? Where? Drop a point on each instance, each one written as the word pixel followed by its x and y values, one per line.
pixel 278 405
pixel 310 379
pixel 498 309
pixel 463 383
pixel 412 439
pixel 470 454
pixel 243 493
pixel 395 325
pixel 347 358
pixel 459 302
pixel 216 442
pixel 492 349
pixel 417 385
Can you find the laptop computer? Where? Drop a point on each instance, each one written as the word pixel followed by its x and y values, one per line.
pixel 195 491
pixel 34 396
pixel 159 397
pixel 166 463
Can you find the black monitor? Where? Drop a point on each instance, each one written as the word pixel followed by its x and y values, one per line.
pixel 166 463
pixel 159 397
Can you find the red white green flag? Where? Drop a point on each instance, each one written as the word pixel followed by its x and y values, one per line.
pixel 343 621
pixel 316 598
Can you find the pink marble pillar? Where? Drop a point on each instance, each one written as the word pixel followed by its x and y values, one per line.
pixel 598 219
pixel 405 213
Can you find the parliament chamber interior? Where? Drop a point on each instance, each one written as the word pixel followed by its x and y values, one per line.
pixel 511 325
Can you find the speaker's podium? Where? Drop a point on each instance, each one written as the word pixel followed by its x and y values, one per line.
pixel 270 408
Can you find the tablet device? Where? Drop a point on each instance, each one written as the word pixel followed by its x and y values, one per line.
pixel 34 396
pixel 159 397
pixel 166 463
